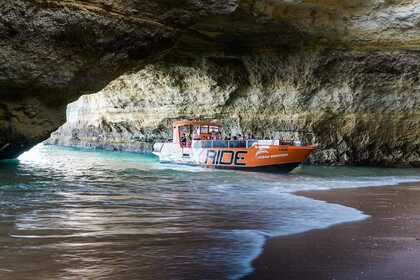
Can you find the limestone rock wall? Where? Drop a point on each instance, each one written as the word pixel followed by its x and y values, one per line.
pixel 362 107
pixel 54 51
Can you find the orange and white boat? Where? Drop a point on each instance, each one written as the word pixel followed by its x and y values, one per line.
pixel 199 143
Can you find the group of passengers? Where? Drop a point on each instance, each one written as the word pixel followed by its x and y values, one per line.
pixel 186 138
pixel 240 137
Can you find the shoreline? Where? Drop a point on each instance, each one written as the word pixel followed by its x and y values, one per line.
pixel 141 148
pixel 386 245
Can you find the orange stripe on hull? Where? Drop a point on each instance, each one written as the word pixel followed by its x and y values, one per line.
pixel 256 156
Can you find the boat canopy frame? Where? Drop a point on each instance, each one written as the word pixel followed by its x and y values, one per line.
pixel 178 125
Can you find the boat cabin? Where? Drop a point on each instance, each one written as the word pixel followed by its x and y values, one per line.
pixel 185 131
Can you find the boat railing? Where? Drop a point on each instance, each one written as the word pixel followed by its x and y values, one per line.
pixel 223 143
pixel 157 147
pixel 238 143
pixel 291 140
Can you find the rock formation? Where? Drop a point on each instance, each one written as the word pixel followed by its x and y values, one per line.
pixel 53 51
pixel 346 70
pixel 361 107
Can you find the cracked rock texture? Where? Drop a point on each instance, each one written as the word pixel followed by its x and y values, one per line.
pixel 363 108
pixel 345 69
pixel 51 52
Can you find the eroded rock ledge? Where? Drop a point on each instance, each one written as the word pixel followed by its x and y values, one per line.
pixel 363 107
pixel 348 70
pixel 52 52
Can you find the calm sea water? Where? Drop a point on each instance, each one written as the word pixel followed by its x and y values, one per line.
pixel 76 214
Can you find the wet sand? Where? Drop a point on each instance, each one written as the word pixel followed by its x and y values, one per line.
pixel 384 246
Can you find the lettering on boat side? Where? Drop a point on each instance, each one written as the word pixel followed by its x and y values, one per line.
pixel 263 153
pixel 225 157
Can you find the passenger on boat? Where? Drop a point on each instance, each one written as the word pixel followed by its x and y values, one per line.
pixel 189 141
pixel 183 140
pixel 196 133
pixel 213 136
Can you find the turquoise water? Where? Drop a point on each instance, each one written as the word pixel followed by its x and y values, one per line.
pixel 78 214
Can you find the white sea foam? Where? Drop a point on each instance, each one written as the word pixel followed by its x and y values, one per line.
pixel 229 214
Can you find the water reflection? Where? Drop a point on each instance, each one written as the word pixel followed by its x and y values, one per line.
pixel 72 214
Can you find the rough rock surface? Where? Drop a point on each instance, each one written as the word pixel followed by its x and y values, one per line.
pixel 362 107
pixel 52 52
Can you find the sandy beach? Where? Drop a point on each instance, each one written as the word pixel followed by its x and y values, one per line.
pixel 384 246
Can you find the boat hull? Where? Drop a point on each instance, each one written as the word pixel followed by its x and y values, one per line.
pixel 279 168
pixel 257 158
